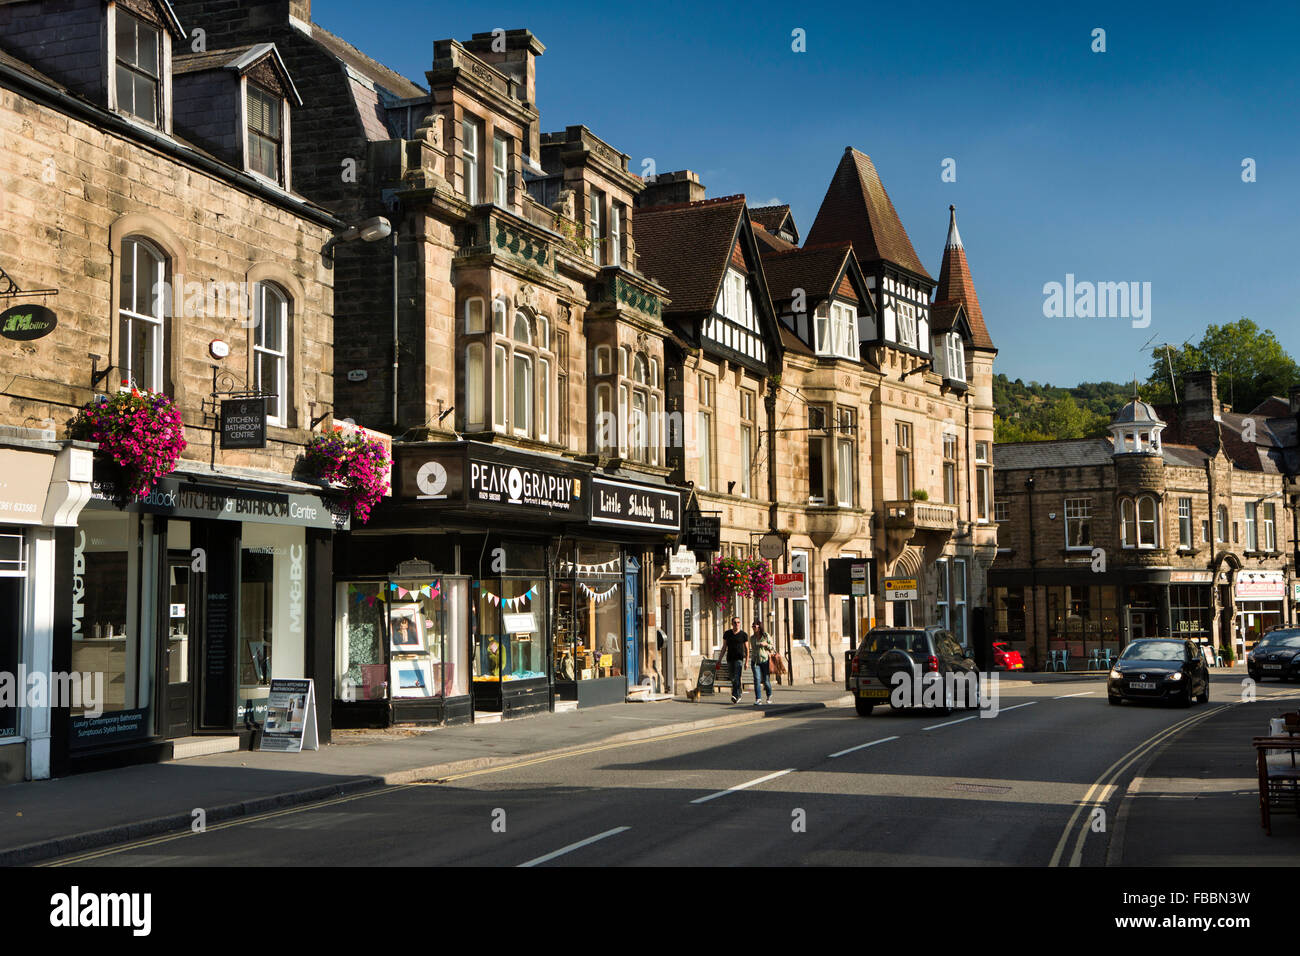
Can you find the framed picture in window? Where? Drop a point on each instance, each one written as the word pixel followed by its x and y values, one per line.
pixel 406 629
pixel 412 678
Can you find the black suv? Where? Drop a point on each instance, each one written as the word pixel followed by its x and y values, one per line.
pixel 1276 655
pixel 938 671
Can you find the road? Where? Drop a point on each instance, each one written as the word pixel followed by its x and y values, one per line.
pixel 822 788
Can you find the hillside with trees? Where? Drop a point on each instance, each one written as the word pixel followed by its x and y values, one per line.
pixel 1251 363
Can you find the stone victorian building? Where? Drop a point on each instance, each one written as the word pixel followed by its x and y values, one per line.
pixel 1181 523
pixel 151 221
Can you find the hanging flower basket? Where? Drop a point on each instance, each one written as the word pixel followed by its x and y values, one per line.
pixel 358 464
pixel 728 578
pixel 140 437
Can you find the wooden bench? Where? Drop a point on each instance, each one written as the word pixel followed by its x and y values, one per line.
pixel 1279 776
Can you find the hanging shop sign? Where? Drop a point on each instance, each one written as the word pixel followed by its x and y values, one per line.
pixel 637 506
pixel 900 589
pixel 184 499
pixel 703 533
pixel 771 546
pixel 682 564
pixel 243 423
pixel 290 725
pixel 24 323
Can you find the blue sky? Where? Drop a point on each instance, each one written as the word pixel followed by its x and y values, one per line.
pixel 1122 166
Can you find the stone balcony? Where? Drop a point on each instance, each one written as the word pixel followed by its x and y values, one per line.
pixel 920 516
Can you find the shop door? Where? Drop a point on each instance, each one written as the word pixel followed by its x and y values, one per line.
pixel 632 608
pixel 668 652
pixel 180 648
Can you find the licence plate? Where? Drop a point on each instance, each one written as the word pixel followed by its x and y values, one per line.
pixel 875 693
pixel 1142 685
pixel 1272 667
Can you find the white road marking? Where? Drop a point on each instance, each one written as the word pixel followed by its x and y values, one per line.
pixel 959 720
pixel 882 740
pixel 574 846
pixel 1086 693
pixel 1003 710
pixel 743 786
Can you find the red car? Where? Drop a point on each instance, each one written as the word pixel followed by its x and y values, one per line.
pixel 1005 659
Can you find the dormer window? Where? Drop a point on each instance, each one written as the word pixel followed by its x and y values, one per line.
pixel 138 75
pixel 837 331
pixel 265 133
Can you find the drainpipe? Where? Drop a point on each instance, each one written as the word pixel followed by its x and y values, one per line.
pixel 396 361
pixel 1033 564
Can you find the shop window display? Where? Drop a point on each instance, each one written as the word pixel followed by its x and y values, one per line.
pixel 425 624
pixel 589 614
pixel 510 630
pixel 272 611
pixel 112 552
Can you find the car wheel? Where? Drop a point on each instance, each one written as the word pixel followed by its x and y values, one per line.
pixel 1188 697
pixel 862 707
pixel 894 662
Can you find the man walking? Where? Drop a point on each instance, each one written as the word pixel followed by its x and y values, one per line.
pixel 735 645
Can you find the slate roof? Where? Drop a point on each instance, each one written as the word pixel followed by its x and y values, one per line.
pixel 372 70
pixel 768 240
pixel 815 270
pixel 686 247
pixel 1184 456
pixel 1066 453
pixel 956 284
pixel 237 58
pixel 857 209
pixel 774 219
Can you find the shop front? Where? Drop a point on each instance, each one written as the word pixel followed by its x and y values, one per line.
pixel 44 485
pixel 1260 599
pixel 183 605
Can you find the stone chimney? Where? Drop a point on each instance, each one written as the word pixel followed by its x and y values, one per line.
pixel 669 188
pixel 1198 412
pixel 514 53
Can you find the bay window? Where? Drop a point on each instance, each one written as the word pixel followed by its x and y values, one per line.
pixel 844 464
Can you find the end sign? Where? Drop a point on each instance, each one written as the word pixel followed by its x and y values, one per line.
pixel 900 589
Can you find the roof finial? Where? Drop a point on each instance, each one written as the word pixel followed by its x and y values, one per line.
pixel 954 237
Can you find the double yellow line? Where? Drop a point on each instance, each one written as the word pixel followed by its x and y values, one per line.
pixel 1099 793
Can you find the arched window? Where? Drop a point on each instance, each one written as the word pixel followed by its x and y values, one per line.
pixel 140 314
pixel 271 350
pixel 474 315
pixel 1147 521
pixel 1127 523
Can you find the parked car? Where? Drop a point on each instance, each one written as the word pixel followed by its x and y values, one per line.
pixel 1005 659
pixel 1276 655
pixel 925 655
pixel 1167 669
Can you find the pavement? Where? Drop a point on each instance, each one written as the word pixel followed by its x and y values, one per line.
pixel 49 818
pixel 1196 801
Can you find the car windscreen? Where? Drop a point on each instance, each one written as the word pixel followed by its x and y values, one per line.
pixel 1280 642
pixel 911 641
pixel 1154 651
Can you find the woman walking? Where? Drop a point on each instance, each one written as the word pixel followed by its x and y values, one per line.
pixel 760 658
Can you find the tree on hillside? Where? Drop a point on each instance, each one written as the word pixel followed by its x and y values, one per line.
pixel 1251 363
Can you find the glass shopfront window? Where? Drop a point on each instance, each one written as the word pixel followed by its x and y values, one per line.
pixel 272 612
pixel 1189 610
pixel 1009 613
pixel 115 558
pixel 510 636
pixel 13 569
pixel 589 613
pixel 426 626
pixel 1080 619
